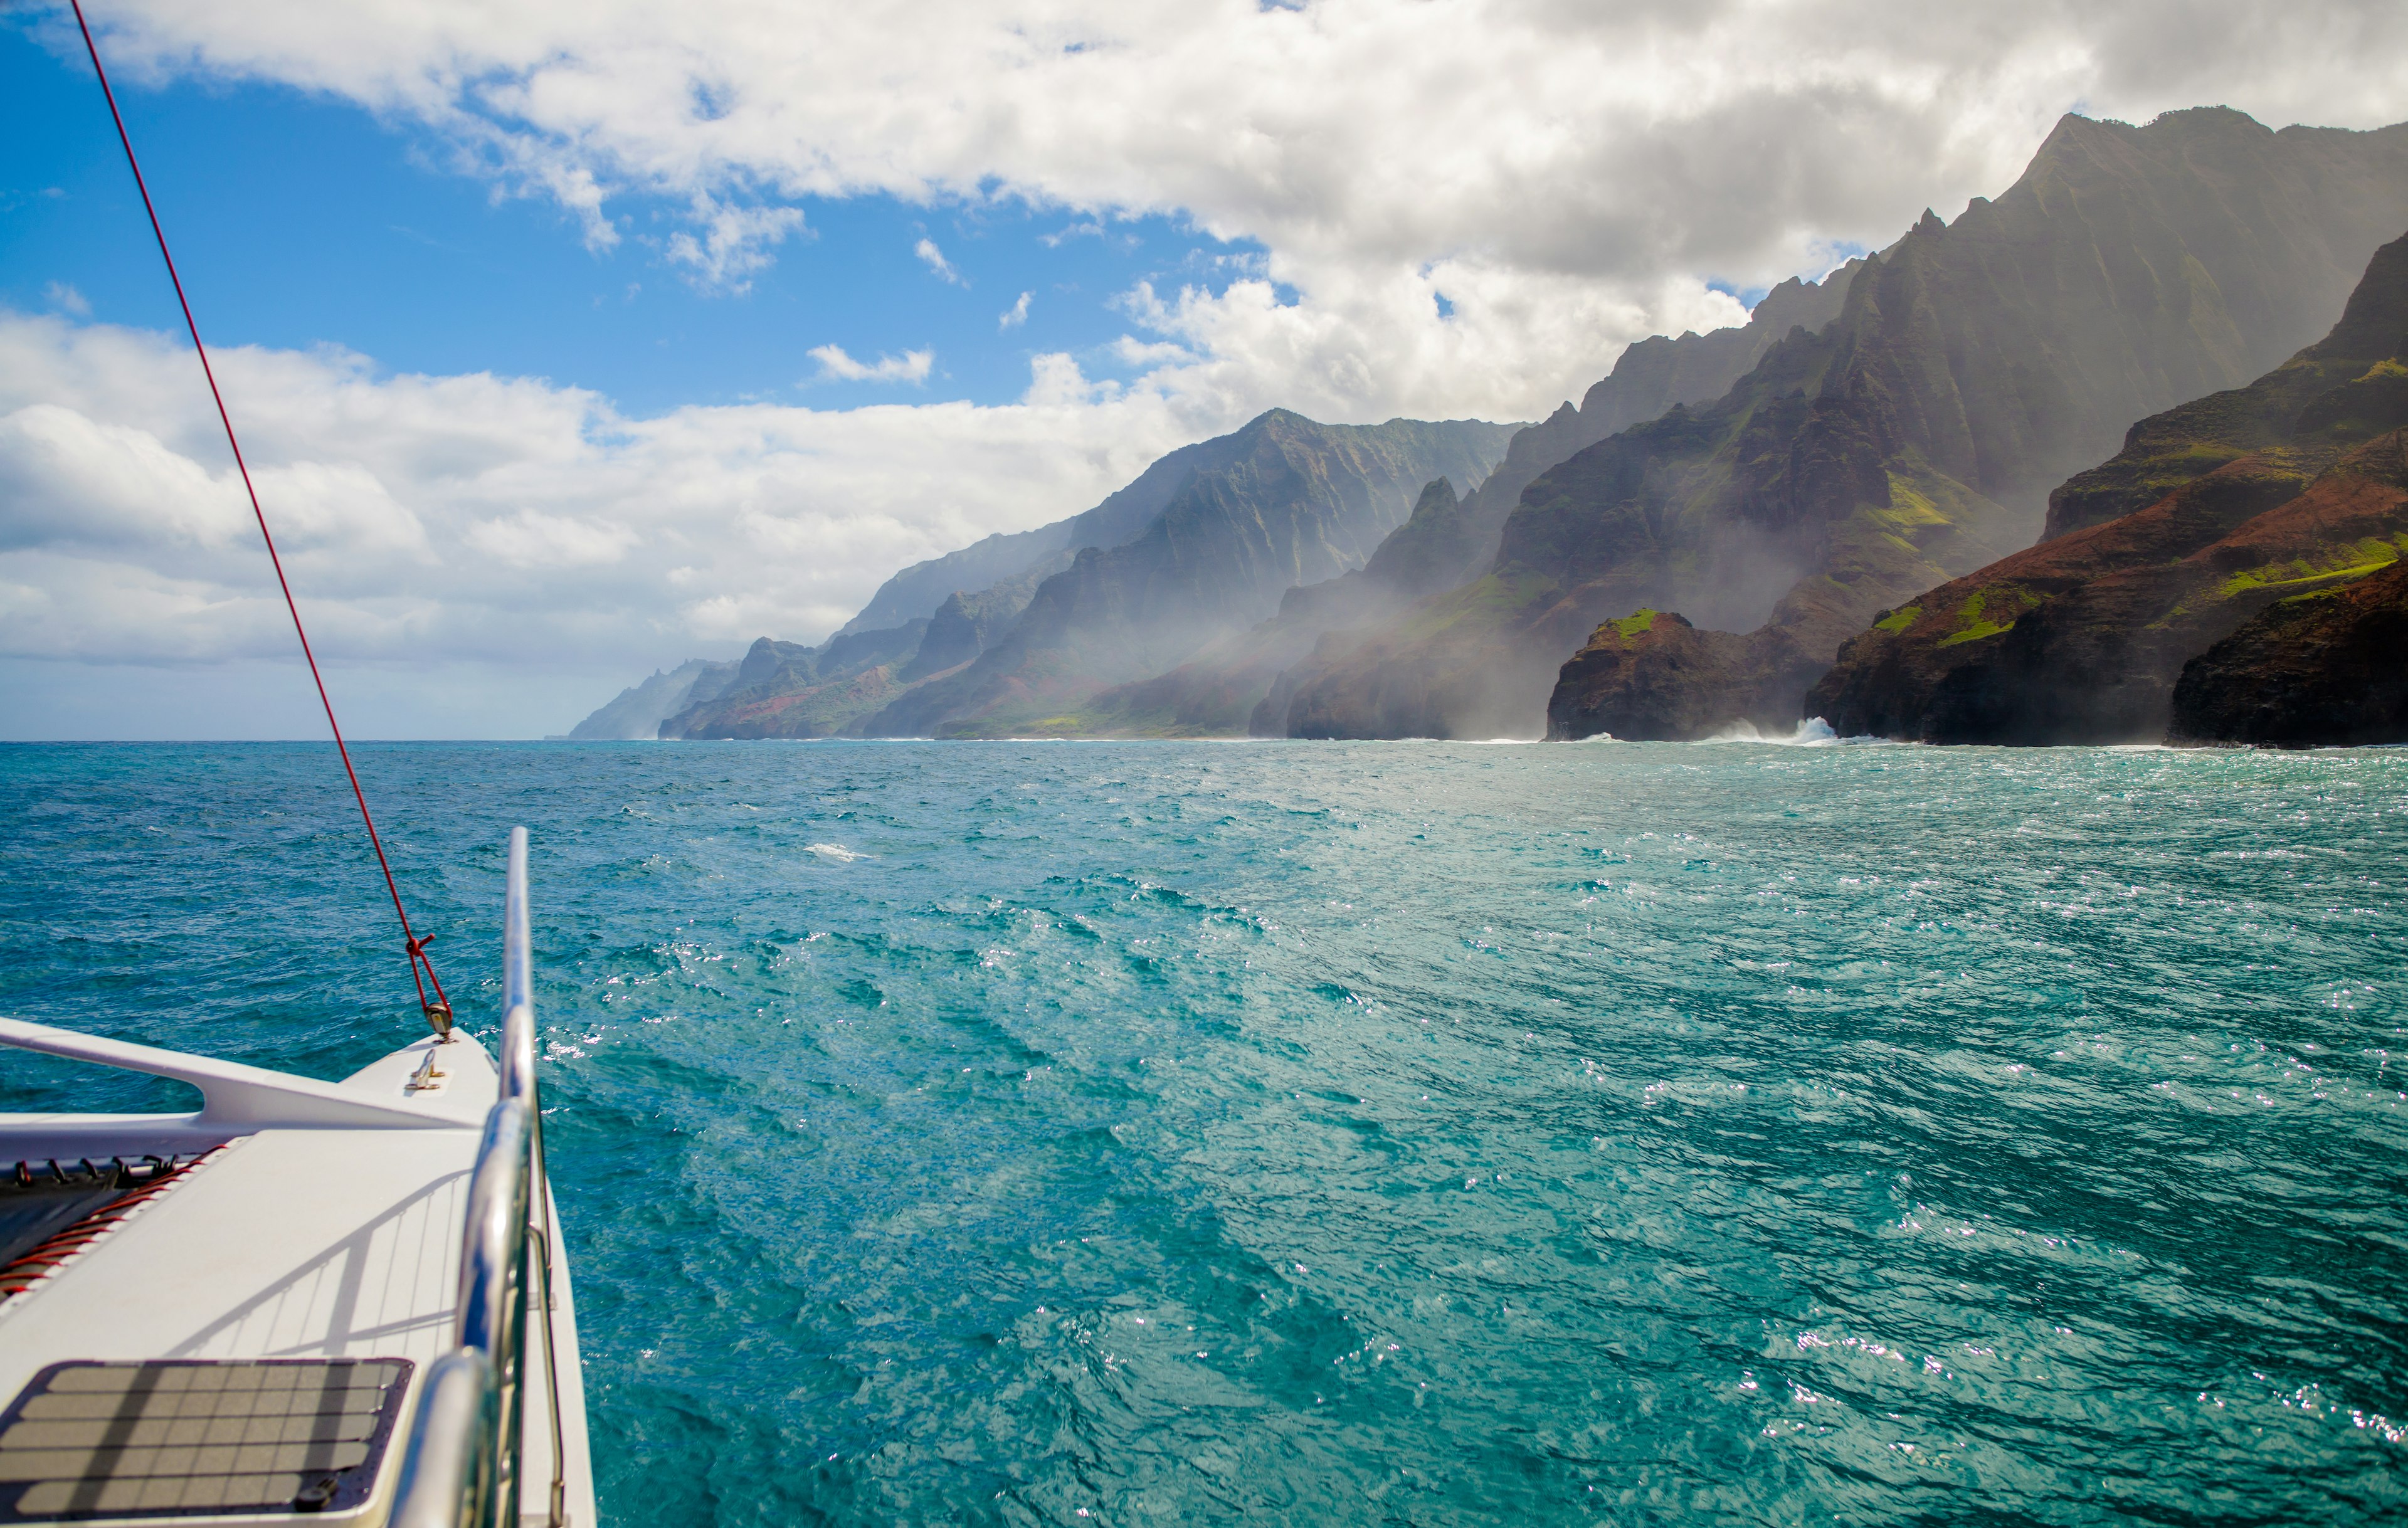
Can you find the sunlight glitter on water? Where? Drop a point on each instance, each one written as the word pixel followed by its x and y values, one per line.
pixel 1336 1133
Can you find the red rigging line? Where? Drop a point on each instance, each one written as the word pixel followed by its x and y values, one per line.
pixel 421 969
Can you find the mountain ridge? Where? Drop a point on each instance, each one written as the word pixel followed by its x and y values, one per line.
pixel 1234 685
pixel 1305 501
pixel 1232 520
pixel 2296 485
pixel 1974 367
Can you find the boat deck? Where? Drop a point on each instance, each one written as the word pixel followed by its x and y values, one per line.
pixel 295 1243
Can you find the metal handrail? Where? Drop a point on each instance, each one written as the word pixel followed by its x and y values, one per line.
pixel 518 981
pixel 462 1468
pixel 441 1484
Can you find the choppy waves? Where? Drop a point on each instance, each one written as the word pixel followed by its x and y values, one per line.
pixel 1342 1134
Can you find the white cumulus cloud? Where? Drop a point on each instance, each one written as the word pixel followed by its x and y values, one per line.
pixel 935 260
pixel 835 365
pixel 730 243
pixel 526 542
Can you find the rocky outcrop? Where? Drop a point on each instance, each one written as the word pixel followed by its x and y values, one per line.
pixel 1973 366
pixel 2082 638
pixel 2326 669
pixel 1651 676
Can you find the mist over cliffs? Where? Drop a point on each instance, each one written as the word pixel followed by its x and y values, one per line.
pixel 2252 511
pixel 1973 367
pixel 1242 681
pixel 638 711
pixel 1688 546
pixel 972 598
pixel 1200 544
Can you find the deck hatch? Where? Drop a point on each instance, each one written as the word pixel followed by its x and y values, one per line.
pixel 177 1439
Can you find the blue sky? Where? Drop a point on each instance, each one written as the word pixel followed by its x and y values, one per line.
pixel 300 220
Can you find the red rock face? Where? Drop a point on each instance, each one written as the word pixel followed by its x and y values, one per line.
pixel 1972 367
pixel 2288 486
pixel 2325 669
pixel 2080 639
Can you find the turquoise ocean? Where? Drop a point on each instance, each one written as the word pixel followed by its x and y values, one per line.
pixel 1412 1134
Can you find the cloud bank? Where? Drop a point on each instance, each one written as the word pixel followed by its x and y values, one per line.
pixel 1568 175
pixel 482 520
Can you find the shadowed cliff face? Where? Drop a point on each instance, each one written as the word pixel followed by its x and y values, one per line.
pixel 2325 669
pixel 1648 378
pixel 1236 683
pixel 1024 559
pixel 1293 503
pixel 1651 676
pixel 785 690
pixel 2081 638
pixel 2166 450
pixel 1972 367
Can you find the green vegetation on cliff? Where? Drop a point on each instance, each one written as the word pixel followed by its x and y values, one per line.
pixel 2323 669
pixel 1973 366
pixel 2081 637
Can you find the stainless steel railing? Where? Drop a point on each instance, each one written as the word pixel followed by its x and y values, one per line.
pixel 463 1464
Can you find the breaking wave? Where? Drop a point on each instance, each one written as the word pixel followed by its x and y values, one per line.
pixel 1812 733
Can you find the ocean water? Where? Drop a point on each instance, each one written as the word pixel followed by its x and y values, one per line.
pixel 1100 1134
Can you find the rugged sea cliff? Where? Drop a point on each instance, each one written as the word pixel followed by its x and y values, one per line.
pixel 1694 543
pixel 1974 367
pixel 2292 487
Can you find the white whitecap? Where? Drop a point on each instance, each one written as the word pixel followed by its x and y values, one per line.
pixel 1812 733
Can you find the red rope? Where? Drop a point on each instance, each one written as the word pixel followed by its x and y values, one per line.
pixel 440 1008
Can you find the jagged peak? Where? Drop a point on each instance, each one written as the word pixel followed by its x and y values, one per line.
pixel 2219 118
pixel 2074 137
pixel 2375 318
pixel 1275 416
pixel 2075 133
